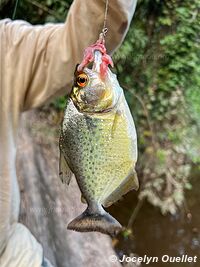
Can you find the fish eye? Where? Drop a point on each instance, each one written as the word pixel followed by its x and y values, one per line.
pixel 82 80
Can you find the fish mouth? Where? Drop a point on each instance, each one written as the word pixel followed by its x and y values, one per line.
pixel 97 61
pixel 97 54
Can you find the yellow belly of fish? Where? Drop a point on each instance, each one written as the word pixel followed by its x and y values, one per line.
pixel 107 157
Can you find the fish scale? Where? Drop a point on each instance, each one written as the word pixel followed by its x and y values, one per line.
pixel 98 159
pixel 98 145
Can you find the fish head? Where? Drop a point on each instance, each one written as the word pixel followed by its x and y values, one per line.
pixel 93 93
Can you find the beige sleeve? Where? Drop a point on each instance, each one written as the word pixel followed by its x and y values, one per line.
pixel 44 57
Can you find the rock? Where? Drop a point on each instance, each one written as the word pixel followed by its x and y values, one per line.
pixel 47 206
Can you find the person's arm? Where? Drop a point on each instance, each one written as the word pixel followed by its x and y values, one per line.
pixel 44 57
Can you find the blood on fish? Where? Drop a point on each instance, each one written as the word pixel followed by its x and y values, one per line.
pixel 89 57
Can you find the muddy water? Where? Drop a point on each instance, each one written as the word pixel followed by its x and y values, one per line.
pixel 157 235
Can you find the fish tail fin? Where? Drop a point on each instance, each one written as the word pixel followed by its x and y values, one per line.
pixel 99 221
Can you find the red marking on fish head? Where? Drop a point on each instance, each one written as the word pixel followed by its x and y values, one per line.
pixel 89 57
pixel 106 61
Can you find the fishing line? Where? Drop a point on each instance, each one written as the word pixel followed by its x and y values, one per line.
pixel 105 29
pixel 15 9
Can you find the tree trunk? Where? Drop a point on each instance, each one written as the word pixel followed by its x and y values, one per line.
pixel 47 206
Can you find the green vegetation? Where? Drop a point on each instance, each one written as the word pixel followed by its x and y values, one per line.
pixel 158 65
pixel 161 55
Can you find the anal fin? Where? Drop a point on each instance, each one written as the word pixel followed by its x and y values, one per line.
pixel 131 182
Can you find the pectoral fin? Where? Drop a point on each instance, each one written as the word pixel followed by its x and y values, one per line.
pixel 83 199
pixel 131 182
pixel 64 171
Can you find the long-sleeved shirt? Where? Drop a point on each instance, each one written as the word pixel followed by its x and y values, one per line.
pixel 36 64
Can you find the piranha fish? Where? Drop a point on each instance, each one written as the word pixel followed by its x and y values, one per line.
pixel 98 143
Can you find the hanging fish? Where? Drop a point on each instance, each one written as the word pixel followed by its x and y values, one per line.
pixel 98 142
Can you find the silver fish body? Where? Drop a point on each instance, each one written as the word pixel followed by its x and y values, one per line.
pixel 98 144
